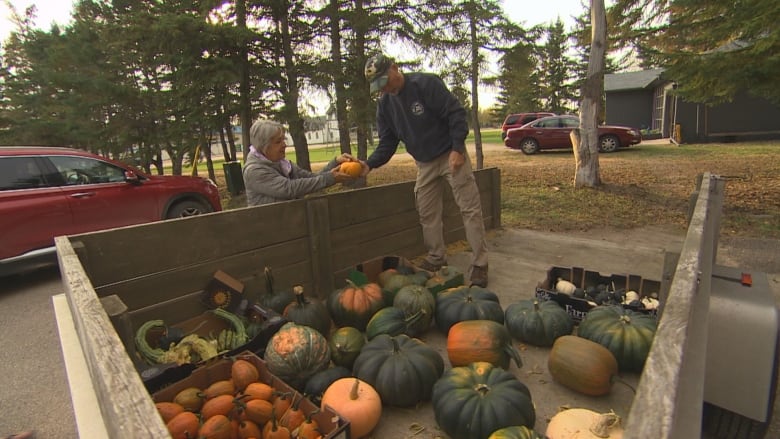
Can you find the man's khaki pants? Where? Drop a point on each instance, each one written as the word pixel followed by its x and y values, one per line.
pixel 429 197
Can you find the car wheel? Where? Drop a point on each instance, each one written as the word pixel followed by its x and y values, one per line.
pixel 529 146
pixel 187 208
pixel 609 143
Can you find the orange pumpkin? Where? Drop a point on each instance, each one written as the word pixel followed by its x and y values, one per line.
pixel 217 388
pixel 471 341
pixel 294 416
pixel 247 429
pixel 356 401
pixel 185 425
pixel 309 429
pixel 282 401
pixel 216 427
pixel 273 430
pixel 353 169
pixel 258 411
pixel 257 390
pixel 219 405
pixel 243 373
pixel 168 410
pixel 354 305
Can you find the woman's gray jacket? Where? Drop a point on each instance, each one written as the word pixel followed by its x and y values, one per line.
pixel 266 183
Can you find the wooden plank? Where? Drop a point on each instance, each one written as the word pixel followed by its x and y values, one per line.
pixel 672 383
pixel 320 246
pixel 118 254
pixel 367 204
pixel 125 405
pixel 247 267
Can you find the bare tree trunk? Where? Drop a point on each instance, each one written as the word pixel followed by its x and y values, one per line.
pixel 342 117
pixel 475 93
pixel 245 111
pixel 585 139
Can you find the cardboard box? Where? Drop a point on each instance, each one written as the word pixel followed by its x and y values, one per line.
pixel 331 424
pixel 207 325
pixel 582 278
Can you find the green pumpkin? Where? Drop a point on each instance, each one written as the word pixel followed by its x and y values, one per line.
pixel 516 432
pixel 394 279
pixel 446 277
pixel 471 402
pixel 345 345
pixel 627 334
pixel 391 321
pixel 308 311
pixel 401 369
pixel 537 323
pixel 295 353
pixel 413 299
pixel 320 381
pixel 273 299
pixel 466 303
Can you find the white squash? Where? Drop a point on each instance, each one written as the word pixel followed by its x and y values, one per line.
pixel 650 303
pixel 630 297
pixel 564 286
pixel 580 423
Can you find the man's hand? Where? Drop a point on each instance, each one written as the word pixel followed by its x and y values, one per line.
pixel 345 158
pixel 456 160
pixel 366 169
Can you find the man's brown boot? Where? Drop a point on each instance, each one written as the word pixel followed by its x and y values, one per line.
pixel 479 276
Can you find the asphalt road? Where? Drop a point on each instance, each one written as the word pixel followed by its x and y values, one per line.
pixel 35 393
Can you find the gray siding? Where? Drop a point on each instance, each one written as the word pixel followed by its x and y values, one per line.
pixel 632 108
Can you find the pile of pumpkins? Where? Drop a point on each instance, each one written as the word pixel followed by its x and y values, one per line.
pixel 357 350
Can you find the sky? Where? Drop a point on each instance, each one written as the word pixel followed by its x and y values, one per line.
pixel 528 12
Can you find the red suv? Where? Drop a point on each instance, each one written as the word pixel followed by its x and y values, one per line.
pixel 554 133
pixel 47 192
pixel 520 119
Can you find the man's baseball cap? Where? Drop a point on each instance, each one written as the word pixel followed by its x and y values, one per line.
pixel 376 71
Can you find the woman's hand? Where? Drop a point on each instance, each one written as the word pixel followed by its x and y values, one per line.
pixel 345 158
pixel 341 177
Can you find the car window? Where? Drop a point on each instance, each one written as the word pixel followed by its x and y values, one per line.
pixel 570 122
pixel 510 120
pixel 548 123
pixel 84 170
pixel 20 173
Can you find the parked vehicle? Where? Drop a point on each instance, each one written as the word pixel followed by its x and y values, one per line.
pixel 49 191
pixel 553 133
pixel 519 119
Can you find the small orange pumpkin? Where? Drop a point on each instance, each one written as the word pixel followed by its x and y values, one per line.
pixel 258 411
pixel 168 410
pixel 243 373
pixel 216 427
pixel 273 430
pixel 353 169
pixel 294 416
pixel 185 425
pixel 217 388
pixel 257 390
pixel 219 405
pixel 354 305
pixel 356 401
pixel 247 429
pixel 309 429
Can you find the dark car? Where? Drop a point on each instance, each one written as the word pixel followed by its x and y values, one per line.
pixel 48 191
pixel 519 119
pixel 553 133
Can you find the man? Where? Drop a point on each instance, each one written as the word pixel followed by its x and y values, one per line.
pixel 418 109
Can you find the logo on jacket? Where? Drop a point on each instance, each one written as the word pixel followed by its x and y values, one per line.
pixel 417 108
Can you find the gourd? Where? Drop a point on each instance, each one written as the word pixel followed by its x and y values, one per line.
pixel 309 312
pixel 413 299
pixel 516 432
pixel 243 373
pixel 627 334
pixel 149 354
pixel 355 304
pixel 564 286
pixel 401 369
pixel 579 423
pixel 466 303
pixel 582 365
pixel 216 427
pixel 238 335
pixel 185 425
pixel 357 401
pixel 345 345
pixel 295 353
pixel 481 340
pixel 273 430
pixel 273 299
pixel 168 410
pixel 537 323
pixel 391 321
pixel 471 402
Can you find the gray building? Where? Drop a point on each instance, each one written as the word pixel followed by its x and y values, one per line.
pixel 645 100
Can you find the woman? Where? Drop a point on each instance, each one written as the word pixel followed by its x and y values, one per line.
pixel 269 177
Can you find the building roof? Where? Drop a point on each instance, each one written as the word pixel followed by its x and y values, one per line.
pixel 638 80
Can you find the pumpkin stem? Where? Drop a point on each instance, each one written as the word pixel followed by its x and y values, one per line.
pixel 353 394
pixel 396 348
pixel 625 319
pixel 482 389
pixel 298 290
pixel 603 423
pixel 515 354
